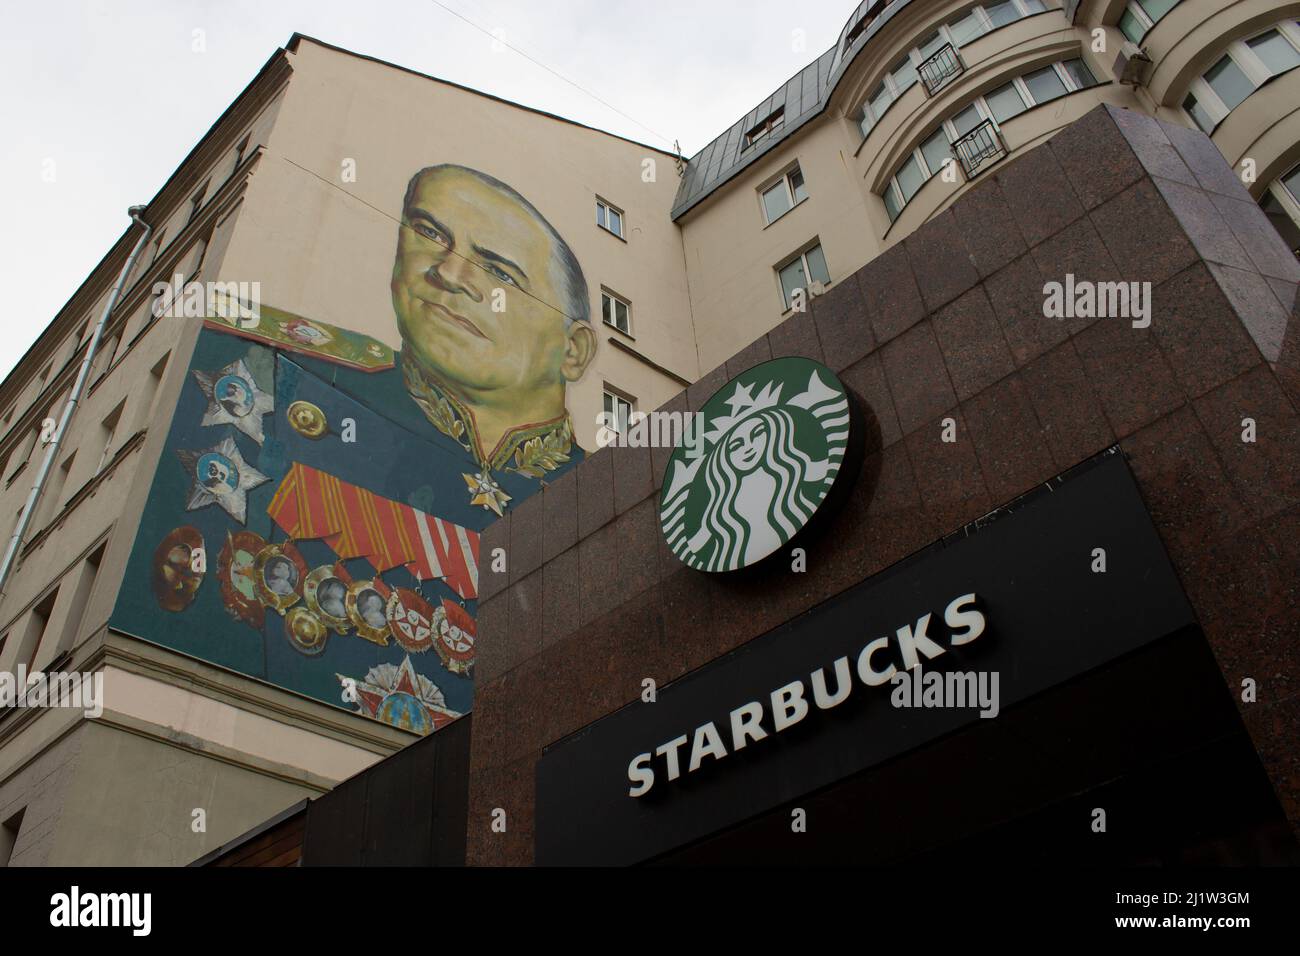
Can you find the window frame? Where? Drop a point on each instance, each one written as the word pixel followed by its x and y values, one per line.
pixel 616 299
pixel 605 206
pixel 1139 13
pixel 196 201
pixel 1250 64
pixel 764 129
pixel 944 33
pixel 783 180
pixel 986 114
pixel 802 258
pixel 618 396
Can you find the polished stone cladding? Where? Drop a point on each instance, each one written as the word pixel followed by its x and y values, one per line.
pixel 949 324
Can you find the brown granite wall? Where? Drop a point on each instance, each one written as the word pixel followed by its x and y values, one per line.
pixel 950 323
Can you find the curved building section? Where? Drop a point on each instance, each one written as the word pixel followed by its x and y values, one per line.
pixel 1230 69
pixel 920 100
pixel 952 90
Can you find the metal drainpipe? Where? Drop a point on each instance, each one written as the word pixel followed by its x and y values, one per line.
pixel 29 509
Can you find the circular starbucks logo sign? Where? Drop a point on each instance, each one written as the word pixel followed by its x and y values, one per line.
pixel 766 450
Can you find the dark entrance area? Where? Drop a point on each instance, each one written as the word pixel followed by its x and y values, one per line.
pixel 1153 739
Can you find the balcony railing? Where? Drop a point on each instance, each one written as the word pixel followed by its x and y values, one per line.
pixel 980 147
pixel 939 69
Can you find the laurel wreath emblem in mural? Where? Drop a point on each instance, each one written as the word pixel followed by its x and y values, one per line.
pixel 775 438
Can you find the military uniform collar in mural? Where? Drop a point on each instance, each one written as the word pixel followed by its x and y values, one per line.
pixel 532 450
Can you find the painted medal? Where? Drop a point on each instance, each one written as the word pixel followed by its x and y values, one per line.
pixel 456 633
pixel 366 606
pixel 234 398
pixel 220 476
pixel 305 631
pixel 280 571
pixel 307 420
pixel 176 572
pixel 237 575
pixel 411 619
pixel 326 595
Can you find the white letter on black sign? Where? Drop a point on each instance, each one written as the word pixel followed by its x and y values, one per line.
pixel 972 620
pixel 868 674
pixel 843 684
pixel 669 752
pixel 788 705
pixel 707 744
pixel 910 640
pixel 640 774
pixel 745 723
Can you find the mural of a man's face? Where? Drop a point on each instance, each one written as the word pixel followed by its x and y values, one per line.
pixel 462 238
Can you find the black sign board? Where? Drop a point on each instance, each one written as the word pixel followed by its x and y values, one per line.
pixel 1023 601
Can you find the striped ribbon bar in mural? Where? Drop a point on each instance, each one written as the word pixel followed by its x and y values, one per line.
pixel 357 523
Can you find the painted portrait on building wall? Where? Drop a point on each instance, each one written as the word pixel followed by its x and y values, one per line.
pixel 335 487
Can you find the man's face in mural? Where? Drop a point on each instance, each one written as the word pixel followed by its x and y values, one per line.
pixel 461 239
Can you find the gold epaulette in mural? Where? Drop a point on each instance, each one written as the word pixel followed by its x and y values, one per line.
pixel 294 333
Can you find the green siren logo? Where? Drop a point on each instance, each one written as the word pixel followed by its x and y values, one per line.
pixel 775 438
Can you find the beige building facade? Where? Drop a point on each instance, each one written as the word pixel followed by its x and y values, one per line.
pixel 300 188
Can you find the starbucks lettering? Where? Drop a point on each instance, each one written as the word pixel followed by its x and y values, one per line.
pixel 789 704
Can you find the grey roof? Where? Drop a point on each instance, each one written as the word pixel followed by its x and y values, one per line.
pixel 804 96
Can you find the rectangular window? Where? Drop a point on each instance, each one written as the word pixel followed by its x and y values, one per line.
pixel 967 28
pixel 1229 83
pixel 1005 102
pixel 797 187
pixel 196 202
pixel 799 272
pixel 792 277
pixel 609 218
pixel 1292 183
pixel 51 504
pixel 935 150
pixel 893 205
pixel 1156 9
pixel 910 178
pixel 967 120
pixel 150 396
pixel 104 357
pixel 157 246
pixel 1199 113
pixel 36 626
pixel 777 201
pixel 616 312
pixel 1045 85
pixel 107 429
pixel 617 411
pixel 762 130
pixel 817 270
pixel 1275 52
pixel 904 75
pixel 932 45
pixel 784 195
pixel 80 598
pixel 9 831
pixel 1000 14
pixel 1079 74
pixel 1033 6
pixel 1132 26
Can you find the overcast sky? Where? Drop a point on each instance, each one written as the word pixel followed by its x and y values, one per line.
pixel 114 94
